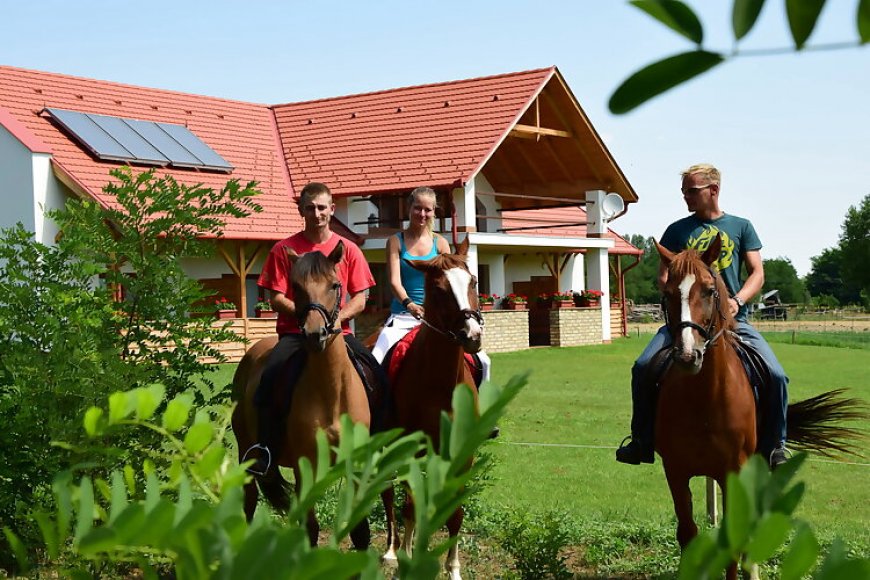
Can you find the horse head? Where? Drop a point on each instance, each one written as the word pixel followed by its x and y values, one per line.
pixel 451 303
pixel 693 296
pixel 317 294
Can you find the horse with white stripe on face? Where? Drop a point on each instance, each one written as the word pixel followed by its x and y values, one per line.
pixel 432 367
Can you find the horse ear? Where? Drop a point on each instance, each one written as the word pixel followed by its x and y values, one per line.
pixel 423 265
pixel 667 256
pixel 292 255
pixel 711 254
pixel 336 254
pixel 462 248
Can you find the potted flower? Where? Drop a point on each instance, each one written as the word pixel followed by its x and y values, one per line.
pixel 544 299
pixel 225 308
pixel 487 301
pixel 263 309
pixel 514 302
pixel 590 298
pixel 562 299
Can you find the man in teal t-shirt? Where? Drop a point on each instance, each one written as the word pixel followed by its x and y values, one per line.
pixel 740 246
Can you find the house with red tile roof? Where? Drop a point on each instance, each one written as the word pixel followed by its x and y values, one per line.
pixel 518 167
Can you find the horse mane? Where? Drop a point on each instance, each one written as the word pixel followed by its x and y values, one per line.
pixel 689 262
pixel 312 264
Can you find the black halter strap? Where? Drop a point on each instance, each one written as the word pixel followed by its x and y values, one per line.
pixel 707 333
pixel 328 317
pixel 452 335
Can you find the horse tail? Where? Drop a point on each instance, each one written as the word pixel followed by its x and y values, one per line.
pixel 276 490
pixel 814 423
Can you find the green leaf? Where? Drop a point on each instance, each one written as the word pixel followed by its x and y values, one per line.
pixel 18 549
pixel 738 512
pixel 210 461
pixel 675 15
pixel 117 407
pixel 769 535
pixel 744 15
pixel 801 556
pixel 98 540
pixel 86 509
pixel 119 496
pixel 148 400
pixel 863 20
pixel 788 501
pixel 92 421
pixel 659 77
pixel 49 533
pixel 177 412
pixel 802 18
pixel 198 437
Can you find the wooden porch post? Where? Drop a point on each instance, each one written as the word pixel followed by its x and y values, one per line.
pixel 241 267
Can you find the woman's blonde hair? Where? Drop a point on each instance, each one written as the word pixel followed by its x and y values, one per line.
pixel 419 192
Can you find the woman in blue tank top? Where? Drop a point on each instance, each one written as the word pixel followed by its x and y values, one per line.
pixel 416 242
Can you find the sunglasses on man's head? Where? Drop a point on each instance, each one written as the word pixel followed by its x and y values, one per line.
pixel 695 190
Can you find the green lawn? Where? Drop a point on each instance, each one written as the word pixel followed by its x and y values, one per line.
pixel 558 438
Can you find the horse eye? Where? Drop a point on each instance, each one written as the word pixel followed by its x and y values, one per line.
pixel 474 281
pixel 336 286
pixel 707 292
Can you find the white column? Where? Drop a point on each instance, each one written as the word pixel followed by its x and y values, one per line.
pixel 597 270
pixel 496 276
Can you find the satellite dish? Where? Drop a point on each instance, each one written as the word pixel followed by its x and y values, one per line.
pixel 612 206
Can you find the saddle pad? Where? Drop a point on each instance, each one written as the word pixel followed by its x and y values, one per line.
pixel 396 356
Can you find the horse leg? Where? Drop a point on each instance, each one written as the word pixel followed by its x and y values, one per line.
pixel 252 494
pixel 313 529
pixel 389 498
pixel 682 497
pixel 361 535
pixel 409 523
pixel 453 526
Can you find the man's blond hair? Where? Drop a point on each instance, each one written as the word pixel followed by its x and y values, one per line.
pixel 705 169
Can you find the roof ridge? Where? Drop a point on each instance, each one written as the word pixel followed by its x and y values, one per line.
pixel 128 86
pixel 421 86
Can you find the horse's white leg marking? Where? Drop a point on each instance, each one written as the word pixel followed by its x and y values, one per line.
pixel 459 281
pixel 686 312
pixel 453 562
pixel 408 539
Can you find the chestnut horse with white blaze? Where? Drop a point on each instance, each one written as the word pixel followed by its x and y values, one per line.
pixel 706 416
pixel 432 367
pixel 328 387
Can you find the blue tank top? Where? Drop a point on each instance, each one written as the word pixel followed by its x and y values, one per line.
pixel 412 279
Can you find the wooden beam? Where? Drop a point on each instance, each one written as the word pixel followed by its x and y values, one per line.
pixel 530 132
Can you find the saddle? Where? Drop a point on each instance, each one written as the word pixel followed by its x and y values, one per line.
pixel 396 355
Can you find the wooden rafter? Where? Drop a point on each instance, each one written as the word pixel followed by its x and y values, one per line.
pixel 576 142
pixel 531 132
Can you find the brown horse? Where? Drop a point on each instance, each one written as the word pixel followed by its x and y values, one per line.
pixel 328 387
pixel 706 418
pixel 431 369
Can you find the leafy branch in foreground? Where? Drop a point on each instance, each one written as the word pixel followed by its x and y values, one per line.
pixel 661 76
pixel 758 521
pixel 189 515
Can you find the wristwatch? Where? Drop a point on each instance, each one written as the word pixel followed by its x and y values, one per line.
pixel 740 302
pixel 406 302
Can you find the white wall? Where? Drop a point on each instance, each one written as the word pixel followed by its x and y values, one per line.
pixel 16 183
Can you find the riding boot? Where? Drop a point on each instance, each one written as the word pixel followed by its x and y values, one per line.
pixel 640 449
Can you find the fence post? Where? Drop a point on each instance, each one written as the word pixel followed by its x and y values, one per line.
pixel 712 502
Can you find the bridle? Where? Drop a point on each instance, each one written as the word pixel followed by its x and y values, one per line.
pixel 329 317
pixel 707 333
pixel 456 337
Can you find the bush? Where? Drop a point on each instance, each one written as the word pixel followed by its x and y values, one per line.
pixel 536 543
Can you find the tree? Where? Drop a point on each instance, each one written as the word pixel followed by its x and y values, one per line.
pixel 855 247
pixel 661 76
pixel 779 274
pixel 640 281
pixel 826 278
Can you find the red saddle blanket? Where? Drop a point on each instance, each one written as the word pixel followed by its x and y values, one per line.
pixel 400 349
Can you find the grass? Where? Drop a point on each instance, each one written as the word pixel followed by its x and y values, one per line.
pixel 556 453
pixel 859 340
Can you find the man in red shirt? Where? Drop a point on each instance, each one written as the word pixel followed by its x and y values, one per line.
pixel 316 208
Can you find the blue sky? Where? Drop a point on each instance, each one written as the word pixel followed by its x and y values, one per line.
pixel 791 133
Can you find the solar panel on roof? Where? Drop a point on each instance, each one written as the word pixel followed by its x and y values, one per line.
pixel 91 135
pixel 178 155
pixel 135 141
pixel 142 150
pixel 192 143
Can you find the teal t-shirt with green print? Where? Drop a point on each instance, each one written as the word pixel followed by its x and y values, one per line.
pixel 738 237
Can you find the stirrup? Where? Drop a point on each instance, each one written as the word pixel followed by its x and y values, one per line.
pixel 268 459
pixel 785 451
